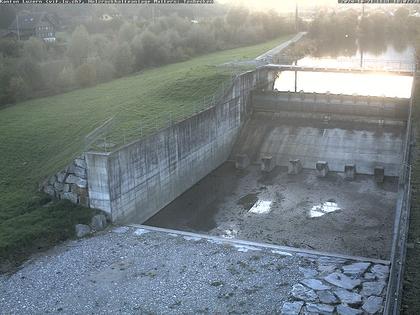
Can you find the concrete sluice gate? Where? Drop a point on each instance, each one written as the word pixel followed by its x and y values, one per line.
pixel 307 173
pixel 319 172
pixel 307 170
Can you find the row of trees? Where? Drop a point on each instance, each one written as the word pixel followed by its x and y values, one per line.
pixel 372 31
pixel 93 54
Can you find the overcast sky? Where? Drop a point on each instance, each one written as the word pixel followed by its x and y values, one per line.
pixel 281 5
pixel 289 5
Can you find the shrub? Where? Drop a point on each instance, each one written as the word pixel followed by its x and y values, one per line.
pixel 86 75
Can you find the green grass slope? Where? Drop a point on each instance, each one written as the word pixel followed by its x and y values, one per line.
pixel 41 136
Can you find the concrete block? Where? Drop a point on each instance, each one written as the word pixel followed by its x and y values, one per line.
pixel 82 230
pixel 98 222
pixel 322 168
pixel 49 190
pixel 379 174
pixel 350 171
pixel 267 163
pixel 294 167
pixel 71 196
pixel 80 162
pixel 242 161
pixel 58 186
pixel 73 179
pixel 52 180
pixel 67 188
pixel 61 176
pixel 78 171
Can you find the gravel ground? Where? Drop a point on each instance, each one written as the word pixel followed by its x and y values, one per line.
pixel 129 270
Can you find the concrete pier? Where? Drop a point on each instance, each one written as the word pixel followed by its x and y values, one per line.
pixel 242 161
pixel 350 171
pixel 267 163
pixel 322 168
pixel 379 174
pixel 294 167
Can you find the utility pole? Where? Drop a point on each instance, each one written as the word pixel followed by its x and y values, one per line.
pixel 360 46
pixel 297 17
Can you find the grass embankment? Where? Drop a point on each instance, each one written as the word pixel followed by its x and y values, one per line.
pixel 411 286
pixel 41 136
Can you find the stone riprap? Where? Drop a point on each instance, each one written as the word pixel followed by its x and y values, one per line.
pixel 349 290
pixel 70 183
pixel 139 270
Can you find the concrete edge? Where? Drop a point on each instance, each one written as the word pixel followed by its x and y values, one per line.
pixel 98 153
pixel 260 245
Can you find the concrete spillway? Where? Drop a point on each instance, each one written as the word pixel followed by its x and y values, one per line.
pixel 183 177
pixel 350 131
pixel 329 214
pixel 338 143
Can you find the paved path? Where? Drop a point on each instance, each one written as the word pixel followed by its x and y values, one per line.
pixel 268 56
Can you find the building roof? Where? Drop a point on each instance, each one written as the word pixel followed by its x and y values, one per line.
pixel 30 21
pixel 6 33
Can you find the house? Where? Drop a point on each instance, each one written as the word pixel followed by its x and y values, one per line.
pixel 37 24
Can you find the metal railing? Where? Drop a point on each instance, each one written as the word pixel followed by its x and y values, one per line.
pixel 117 131
pixel 401 225
pixel 343 63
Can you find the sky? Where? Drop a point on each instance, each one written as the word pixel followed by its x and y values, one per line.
pixel 280 5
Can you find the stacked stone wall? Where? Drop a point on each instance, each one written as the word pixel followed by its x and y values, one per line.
pixel 70 183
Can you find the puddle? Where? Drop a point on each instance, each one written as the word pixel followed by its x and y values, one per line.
pixel 261 207
pixel 248 201
pixel 323 208
pixel 139 232
pixel 196 209
pixel 230 233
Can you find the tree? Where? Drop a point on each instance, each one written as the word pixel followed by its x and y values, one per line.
pixel 34 49
pixel 127 32
pixel 86 75
pixel 237 16
pixel 149 50
pixel 78 49
pixel 30 72
pixel 66 78
pixel 105 70
pixel 123 60
pixel 17 89
pixel 101 46
pixel 10 47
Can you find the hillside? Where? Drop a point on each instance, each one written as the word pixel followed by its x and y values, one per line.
pixel 38 137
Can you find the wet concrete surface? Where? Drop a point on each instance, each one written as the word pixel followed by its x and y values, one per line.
pixel 327 214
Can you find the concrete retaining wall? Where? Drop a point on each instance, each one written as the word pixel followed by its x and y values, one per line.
pixel 136 181
pixel 372 107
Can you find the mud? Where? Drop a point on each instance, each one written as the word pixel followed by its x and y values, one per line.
pixel 327 214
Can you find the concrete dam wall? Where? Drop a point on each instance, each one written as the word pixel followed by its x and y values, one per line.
pixel 338 129
pixel 136 181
